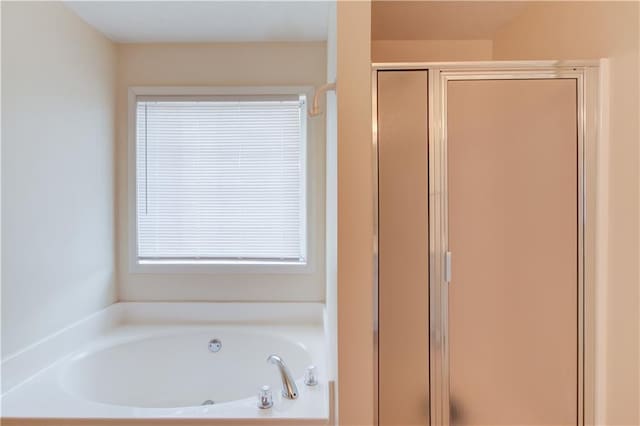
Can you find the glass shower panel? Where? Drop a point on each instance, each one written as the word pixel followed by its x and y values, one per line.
pixel 403 243
pixel 513 232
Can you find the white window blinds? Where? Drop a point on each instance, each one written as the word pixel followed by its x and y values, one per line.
pixel 221 180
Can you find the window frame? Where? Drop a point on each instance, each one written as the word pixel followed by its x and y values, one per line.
pixel 222 266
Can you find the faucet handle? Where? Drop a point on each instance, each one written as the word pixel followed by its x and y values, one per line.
pixel 265 397
pixel 311 376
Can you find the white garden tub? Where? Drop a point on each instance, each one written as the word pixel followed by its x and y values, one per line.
pixel 152 360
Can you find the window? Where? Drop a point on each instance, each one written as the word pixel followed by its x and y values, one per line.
pixel 220 180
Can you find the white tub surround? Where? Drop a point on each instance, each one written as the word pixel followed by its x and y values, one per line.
pixel 152 361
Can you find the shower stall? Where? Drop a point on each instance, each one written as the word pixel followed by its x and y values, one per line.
pixel 484 242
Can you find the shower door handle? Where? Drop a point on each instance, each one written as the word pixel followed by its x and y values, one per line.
pixel 447 267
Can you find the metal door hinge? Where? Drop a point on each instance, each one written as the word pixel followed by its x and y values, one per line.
pixel 447 267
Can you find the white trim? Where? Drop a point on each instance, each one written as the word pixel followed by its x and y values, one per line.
pixel 500 66
pixel 216 266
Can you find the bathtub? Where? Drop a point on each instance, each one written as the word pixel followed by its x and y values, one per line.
pixel 153 360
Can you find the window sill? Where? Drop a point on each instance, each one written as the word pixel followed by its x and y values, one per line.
pixel 234 267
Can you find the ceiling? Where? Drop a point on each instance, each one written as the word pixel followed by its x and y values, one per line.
pixel 441 20
pixel 206 21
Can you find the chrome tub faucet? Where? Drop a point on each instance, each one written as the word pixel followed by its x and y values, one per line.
pixel 289 388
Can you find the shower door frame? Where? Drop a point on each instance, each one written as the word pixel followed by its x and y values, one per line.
pixel 589 79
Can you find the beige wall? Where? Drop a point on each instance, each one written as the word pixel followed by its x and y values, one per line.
pixel 230 64
pixel 355 219
pixel 431 50
pixel 58 78
pixel 592 30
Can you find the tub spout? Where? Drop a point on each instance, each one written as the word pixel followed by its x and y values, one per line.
pixel 289 388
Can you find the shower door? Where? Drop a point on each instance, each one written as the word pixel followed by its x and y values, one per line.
pixel 480 291
pixel 512 159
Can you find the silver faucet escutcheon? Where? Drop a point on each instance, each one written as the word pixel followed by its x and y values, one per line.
pixel 289 388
